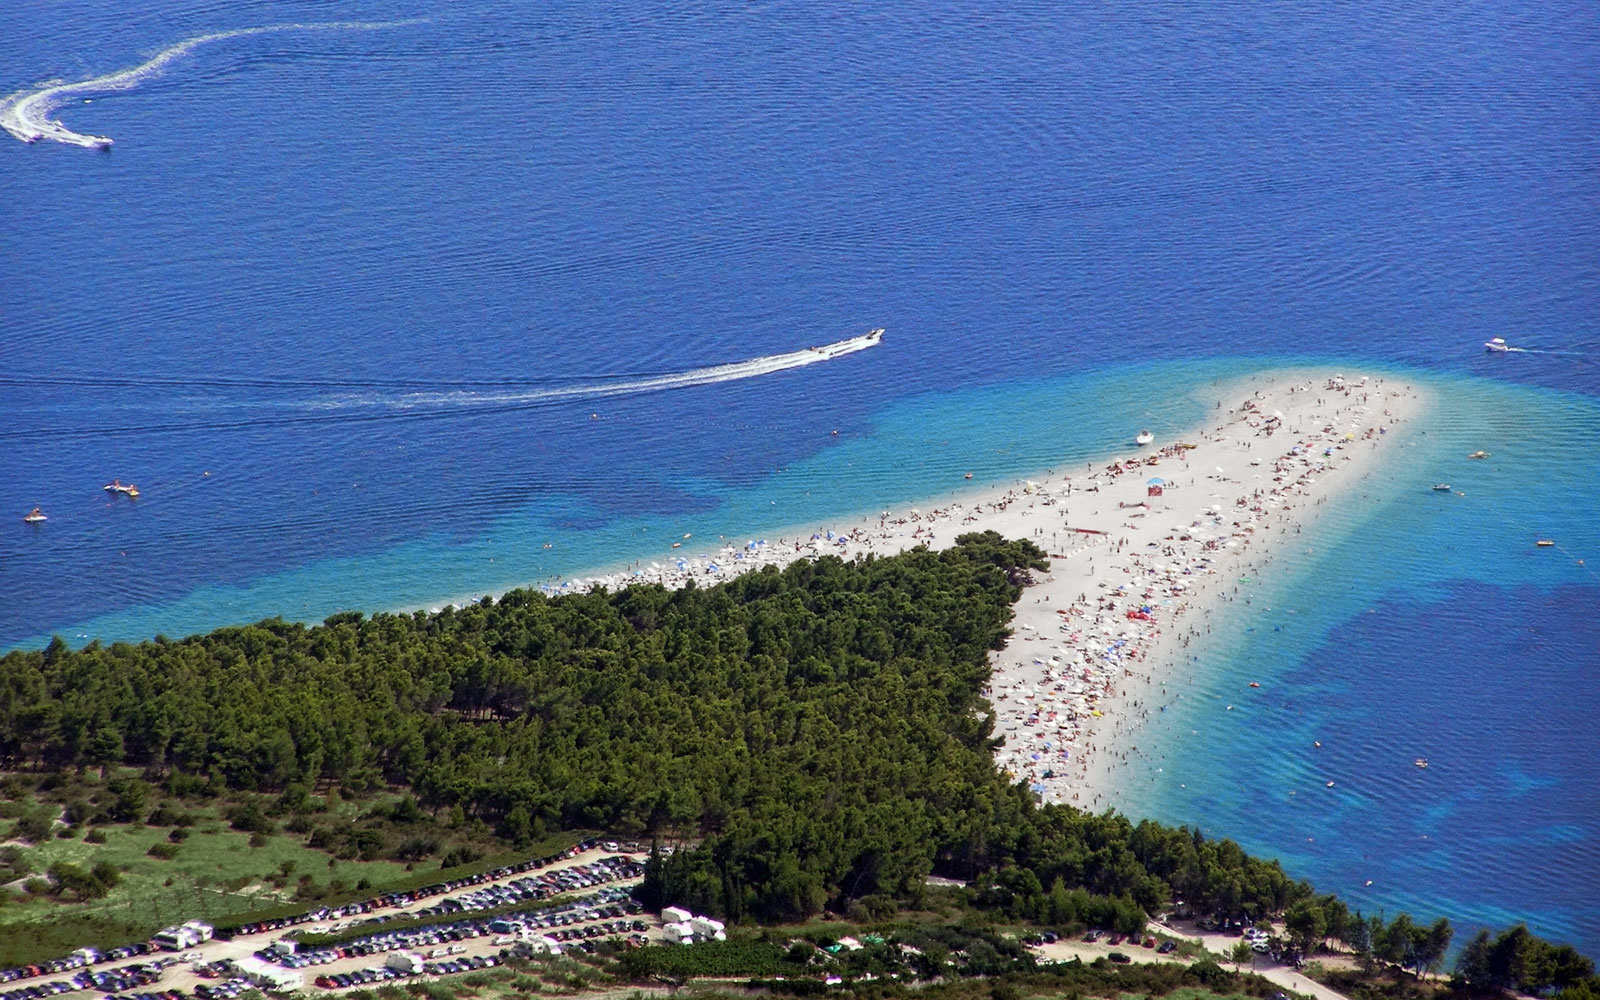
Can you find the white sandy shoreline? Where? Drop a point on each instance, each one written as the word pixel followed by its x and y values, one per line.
pixel 1134 576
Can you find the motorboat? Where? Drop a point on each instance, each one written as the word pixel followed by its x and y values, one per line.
pixel 1144 437
pixel 34 516
pixel 118 486
pixel 1496 344
pixel 1441 487
pixel 1479 454
pixel 1544 543
pixel 1421 762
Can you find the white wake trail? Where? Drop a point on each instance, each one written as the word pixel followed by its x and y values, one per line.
pixel 595 390
pixel 27 115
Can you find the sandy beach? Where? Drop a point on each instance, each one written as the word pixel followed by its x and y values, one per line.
pixel 1144 546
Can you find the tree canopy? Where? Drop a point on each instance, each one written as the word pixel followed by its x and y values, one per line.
pixel 806 738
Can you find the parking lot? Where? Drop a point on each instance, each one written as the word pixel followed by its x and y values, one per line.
pixel 461 940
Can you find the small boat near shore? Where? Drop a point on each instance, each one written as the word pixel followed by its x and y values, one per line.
pixel 126 489
pixel 1441 487
pixel 1497 344
pixel 1479 454
pixel 1544 543
pixel 1144 437
pixel 34 516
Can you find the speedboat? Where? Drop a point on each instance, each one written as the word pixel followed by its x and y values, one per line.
pixel 1544 543
pixel 34 516
pixel 1479 454
pixel 1144 437
pixel 1496 344
pixel 1441 487
pixel 1421 762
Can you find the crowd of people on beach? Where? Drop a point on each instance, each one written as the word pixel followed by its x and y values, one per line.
pixel 1070 694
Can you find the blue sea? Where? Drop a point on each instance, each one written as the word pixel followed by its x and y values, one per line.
pixel 441 299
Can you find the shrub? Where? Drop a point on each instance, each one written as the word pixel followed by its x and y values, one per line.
pixel 416 848
pixel 458 856
pixel 33 827
pixel 162 815
pixel 163 852
pixel 248 817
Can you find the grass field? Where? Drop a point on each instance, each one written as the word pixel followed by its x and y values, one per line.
pixel 215 873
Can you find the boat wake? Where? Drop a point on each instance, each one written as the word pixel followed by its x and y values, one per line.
pixel 424 404
pixel 619 387
pixel 26 115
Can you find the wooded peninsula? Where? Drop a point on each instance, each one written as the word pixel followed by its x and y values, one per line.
pixel 808 739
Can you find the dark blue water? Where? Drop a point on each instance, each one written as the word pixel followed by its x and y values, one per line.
pixel 328 299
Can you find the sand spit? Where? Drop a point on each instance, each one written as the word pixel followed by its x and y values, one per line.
pixel 1143 548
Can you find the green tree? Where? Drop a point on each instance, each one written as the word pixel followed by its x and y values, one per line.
pixel 1306 924
pixel 1432 946
pixel 1241 953
pixel 1473 964
pixel 132 795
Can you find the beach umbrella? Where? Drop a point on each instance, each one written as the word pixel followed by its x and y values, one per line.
pixel 1155 481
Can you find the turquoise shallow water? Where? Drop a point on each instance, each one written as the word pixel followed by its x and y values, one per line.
pixel 1411 624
